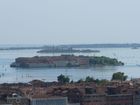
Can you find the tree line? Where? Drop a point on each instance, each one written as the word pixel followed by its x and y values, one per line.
pixel 120 76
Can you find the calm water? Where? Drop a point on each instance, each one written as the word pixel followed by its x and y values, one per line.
pixel 129 56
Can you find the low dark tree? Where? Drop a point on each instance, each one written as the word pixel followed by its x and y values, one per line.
pixel 95 61
pixel 89 79
pixel 80 81
pixel 71 81
pixel 63 79
pixel 119 76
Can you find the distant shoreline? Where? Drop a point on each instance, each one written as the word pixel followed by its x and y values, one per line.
pixel 135 45
pixel 131 45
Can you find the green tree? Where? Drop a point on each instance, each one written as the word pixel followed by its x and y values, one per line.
pixel 80 81
pixel 119 76
pixel 89 79
pixel 101 82
pixel 63 79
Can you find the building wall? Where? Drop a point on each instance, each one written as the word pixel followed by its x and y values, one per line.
pixel 50 101
pixel 75 104
pixel 34 65
pixel 18 101
pixel 136 100
pixel 94 100
pixel 119 99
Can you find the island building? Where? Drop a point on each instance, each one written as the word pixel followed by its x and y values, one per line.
pixel 64 61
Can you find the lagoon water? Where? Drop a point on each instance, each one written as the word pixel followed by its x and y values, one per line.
pixel 131 58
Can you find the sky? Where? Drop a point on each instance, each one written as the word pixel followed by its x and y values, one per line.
pixel 69 21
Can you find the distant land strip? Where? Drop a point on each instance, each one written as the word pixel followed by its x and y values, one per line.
pixel 131 45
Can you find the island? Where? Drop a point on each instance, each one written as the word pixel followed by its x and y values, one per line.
pixel 65 61
pixel 66 50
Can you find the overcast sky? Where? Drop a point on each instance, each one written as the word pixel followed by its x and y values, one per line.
pixel 69 21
